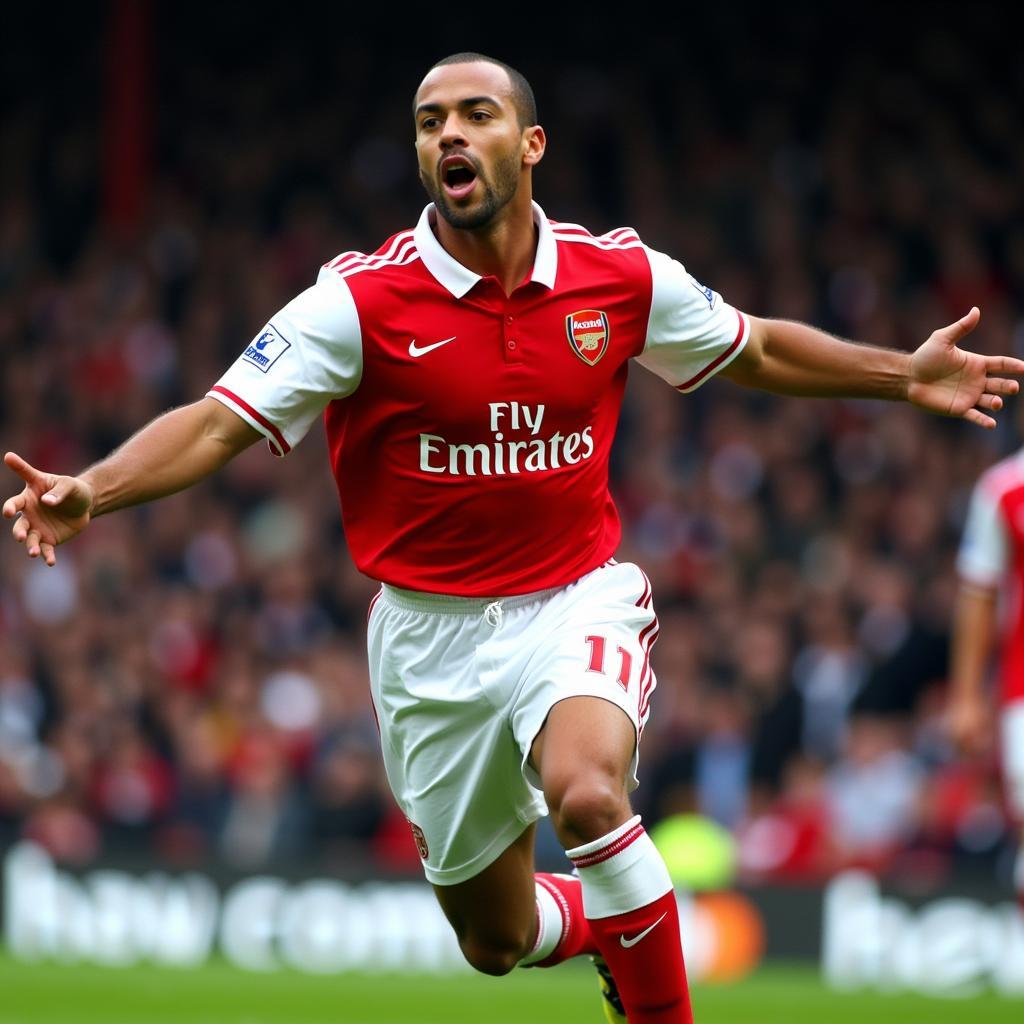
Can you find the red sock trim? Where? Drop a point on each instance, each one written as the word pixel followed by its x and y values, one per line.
pixel 588 860
pixel 576 938
pixel 563 906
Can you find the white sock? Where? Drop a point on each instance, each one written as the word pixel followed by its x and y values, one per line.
pixel 620 872
pixel 552 923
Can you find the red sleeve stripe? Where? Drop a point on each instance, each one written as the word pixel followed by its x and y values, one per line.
pixel 384 252
pixel 407 256
pixel 722 356
pixel 276 437
pixel 394 255
pixel 607 852
pixel 331 264
pixel 558 225
pixel 615 235
pixel 603 242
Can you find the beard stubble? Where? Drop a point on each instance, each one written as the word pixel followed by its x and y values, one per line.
pixel 495 198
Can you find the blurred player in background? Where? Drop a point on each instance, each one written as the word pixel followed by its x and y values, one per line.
pixel 990 614
pixel 470 375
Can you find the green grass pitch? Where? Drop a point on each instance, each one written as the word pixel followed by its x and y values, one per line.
pixel 220 994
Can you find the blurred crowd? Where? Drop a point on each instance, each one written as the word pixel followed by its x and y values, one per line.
pixel 189 682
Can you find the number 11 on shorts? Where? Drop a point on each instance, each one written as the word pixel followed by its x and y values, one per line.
pixel 597 647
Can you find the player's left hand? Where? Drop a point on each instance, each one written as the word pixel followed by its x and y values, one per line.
pixel 947 380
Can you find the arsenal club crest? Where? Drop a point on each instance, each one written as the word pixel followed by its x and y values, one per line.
pixel 588 334
pixel 421 840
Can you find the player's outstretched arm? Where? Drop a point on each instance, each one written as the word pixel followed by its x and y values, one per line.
pixel 171 453
pixel 792 359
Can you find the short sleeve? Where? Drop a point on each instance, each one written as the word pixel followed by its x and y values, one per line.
pixel 982 558
pixel 308 354
pixel 692 333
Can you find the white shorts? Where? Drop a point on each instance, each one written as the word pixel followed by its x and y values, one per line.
pixel 463 686
pixel 1011 730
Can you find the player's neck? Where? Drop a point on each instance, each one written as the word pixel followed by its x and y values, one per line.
pixel 505 249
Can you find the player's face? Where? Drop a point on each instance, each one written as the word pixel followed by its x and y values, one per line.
pixel 472 152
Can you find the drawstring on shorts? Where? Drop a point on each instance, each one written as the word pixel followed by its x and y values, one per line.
pixel 491 610
pixel 493 614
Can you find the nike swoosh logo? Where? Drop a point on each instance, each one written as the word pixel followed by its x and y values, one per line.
pixel 418 350
pixel 630 943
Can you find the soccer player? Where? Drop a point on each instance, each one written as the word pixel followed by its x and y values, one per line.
pixel 470 374
pixel 990 565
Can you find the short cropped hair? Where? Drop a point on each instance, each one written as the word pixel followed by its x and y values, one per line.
pixel 522 93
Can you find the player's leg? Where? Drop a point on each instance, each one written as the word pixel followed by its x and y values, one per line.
pixel 584 757
pixel 583 703
pixel 509 916
pixel 439 677
pixel 493 913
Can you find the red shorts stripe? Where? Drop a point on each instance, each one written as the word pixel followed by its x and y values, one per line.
pixel 646 641
pixel 648 681
pixel 645 598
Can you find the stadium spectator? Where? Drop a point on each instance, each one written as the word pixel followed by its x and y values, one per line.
pixel 988 614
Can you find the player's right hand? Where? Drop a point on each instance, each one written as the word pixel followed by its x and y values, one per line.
pixel 50 509
pixel 969 723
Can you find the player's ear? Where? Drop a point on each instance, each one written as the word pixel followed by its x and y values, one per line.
pixel 534 144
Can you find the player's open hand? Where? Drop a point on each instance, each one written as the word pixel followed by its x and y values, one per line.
pixel 50 509
pixel 945 379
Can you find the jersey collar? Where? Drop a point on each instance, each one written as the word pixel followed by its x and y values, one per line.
pixel 459 279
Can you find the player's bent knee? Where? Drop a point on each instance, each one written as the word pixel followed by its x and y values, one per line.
pixel 587 809
pixel 492 957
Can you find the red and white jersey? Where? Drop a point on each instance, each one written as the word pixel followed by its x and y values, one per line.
pixel 992 555
pixel 469 430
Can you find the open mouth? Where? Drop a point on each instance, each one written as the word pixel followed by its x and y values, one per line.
pixel 458 175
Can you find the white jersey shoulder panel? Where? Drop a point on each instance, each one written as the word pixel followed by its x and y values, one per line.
pixel 309 353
